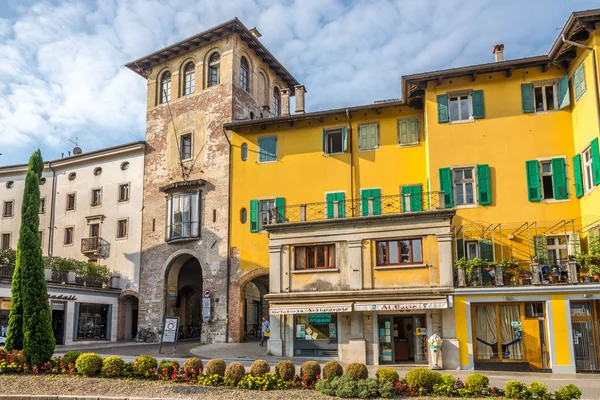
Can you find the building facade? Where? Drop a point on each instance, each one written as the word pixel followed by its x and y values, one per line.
pixel 90 211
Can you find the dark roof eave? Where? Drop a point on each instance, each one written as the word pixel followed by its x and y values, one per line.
pixel 573 18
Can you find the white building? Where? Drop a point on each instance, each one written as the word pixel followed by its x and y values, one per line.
pixel 91 209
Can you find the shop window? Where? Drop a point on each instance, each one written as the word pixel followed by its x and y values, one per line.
pixel 311 257
pixel 498 332
pixel 399 252
pixel 315 334
pixel 581 309
pixel 93 321
pixel 183 216
pixel 534 310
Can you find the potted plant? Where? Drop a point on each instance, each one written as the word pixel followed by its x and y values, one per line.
pixel 473 269
pixel 524 274
pixel 509 271
pixel 595 272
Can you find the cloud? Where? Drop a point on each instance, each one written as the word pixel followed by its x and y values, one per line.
pixel 62 71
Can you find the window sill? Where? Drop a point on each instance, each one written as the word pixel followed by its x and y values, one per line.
pixel 590 191
pixel 467 205
pixel 365 150
pixel 266 162
pixel 400 266
pixel 121 239
pixel 315 270
pixel 182 239
pixel 333 154
pixel 546 112
pixel 580 97
pixel 401 146
pixel 463 121
pixel 122 201
pixel 550 201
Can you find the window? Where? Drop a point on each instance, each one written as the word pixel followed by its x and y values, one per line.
pixel 41 238
pixel 5 241
pixel 311 257
pixel 460 108
pixel 244 152
pixel 547 184
pixel 10 184
pixel 370 202
pixel 276 102
pixel 534 310
pixel 472 249
pixel 244 73
pixel 189 79
pixel 121 229
pixel 124 165
pixel 70 202
pixel 265 209
pixel 93 321
pixel 408 132
pixel 397 252
pixel 317 327
pixel 42 206
pixel 588 175
pixel 334 141
pixel 557 249
pixel 547 179
pixel 183 216
pixel 579 82
pixel 496 337
pixel 124 192
pixel 42 181
pixel 267 148
pixel 214 63
pixel 243 215
pixel 96 197
pixel 464 183
pixel 368 137
pixel 97 171
pixel 68 236
pixel 546 98
pixel 185 146
pixel 165 87
pixel 8 209
pixel 72 176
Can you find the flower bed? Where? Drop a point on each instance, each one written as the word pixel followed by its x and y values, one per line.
pixel 353 383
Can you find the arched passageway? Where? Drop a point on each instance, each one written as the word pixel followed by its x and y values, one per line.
pixel 184 295
pixel 254 306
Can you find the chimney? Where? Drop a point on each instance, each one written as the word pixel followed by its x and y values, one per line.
pixel 300 90
pixel 255 32
pixel 285 102
pixel 498 52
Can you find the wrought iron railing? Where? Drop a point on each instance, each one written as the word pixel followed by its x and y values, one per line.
pixel 91 245
pixel 59 276
pixel 182 230
pixel 6 271
pixel 351 208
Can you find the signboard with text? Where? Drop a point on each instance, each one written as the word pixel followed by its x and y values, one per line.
pixel 170 330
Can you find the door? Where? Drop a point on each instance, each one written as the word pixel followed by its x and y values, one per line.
pixel 134 322
pixel 386 345
pixel 420 333
pixel 94 230
pixel 58 317
pixel 585 327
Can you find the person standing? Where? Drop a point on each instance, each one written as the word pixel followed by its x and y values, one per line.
pixel 264 330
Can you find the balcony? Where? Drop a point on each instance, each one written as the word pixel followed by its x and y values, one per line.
pixel 352 208
pixel 93 245
pixel 182 231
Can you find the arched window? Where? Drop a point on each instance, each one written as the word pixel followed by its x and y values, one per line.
pixel 276 102
pixel 244 75
pixel 189 79
pixel 165 87
pixel 244 152
pixel 214 69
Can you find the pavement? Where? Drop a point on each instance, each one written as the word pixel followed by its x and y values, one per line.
pixel 246 353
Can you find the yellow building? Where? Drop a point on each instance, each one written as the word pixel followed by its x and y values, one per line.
pixel 458 210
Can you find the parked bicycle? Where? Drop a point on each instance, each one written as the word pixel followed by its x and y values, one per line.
pixel 145 335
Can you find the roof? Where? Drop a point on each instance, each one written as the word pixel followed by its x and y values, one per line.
pixel 142 65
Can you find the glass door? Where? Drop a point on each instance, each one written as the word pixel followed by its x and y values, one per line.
pixel 420 324
pixel 386 344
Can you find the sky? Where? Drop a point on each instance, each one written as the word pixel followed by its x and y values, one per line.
pixel 62 71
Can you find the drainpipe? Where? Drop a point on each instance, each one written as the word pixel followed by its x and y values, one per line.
pixel 52 211
pixel 594 68
pixel 351 165
pixel 229 218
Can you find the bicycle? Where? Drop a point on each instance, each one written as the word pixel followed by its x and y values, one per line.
pixel 145 335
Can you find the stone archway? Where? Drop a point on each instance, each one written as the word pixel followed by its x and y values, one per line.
pixel 251 305
pixel 128 313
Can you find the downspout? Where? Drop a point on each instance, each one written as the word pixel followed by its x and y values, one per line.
pixel 229 214
pixel 52 212
pixel 594 68
pixel 351 164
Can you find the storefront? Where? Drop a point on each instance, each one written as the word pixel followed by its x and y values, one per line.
pixel 585 321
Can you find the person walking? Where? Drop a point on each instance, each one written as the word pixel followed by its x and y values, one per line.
pixel 264 330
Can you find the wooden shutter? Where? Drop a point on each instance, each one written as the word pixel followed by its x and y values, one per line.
pixel 595 161
pixel 374 194
pixel 363 134
pixel 253 215
pixel 413 131
pixel 540 248
pixel 446 186
pixel 564 97
pixel 280 209
pixel 416 198
pixel 477 102
pixel 344 138
pixel 460 248
pixel 534 192
pixel 330 198
pixel 527 97
pixel 559 178
pixel 484 191
pixel 579 82
pixel 403 136
pixel 373 136
pixel 324 139
pixel 486 250
pixel 578 177
pixel 364 197
pixel 442 102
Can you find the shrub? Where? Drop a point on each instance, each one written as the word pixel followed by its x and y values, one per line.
pixel 387 374
pixel 235 372
pixel 268 381
pixel 112 367
pixel 325 386
pixel 144 365
pixel 285 369
pixel 446 386
pixel 539 390
pixel 310 371
pixel 387 389
pixel 478 384
pixel 422 379
pixel 259 368
pixel 567 392
pixel 516 390
pixel 345 387
pixel 88 364
pixel 211 380
pixel 192 367
pixel 357 371
pixel 367 388
pixel 71 356
pixel 167 368
pixel 216 366
pixel 332 369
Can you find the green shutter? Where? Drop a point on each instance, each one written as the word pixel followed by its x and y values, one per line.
pixel 413 131
pixel 442 102
pixel 267 148
pixel 374 194
pixel 477 101
pixel 540 248
pixel 564 97
pixel 595 161
pixel 403 136
pixel 534 187
pixel 416 198
pixel 330 198
pixel 486 250
pixel 579 82
pixel 345 138
pixel 460 248
pixel 253 215
pixel 446 186
pixel 578 177
pixel 484 191
pixel 324 139
pixel 527 97
pixel 280 209
pixel 559 179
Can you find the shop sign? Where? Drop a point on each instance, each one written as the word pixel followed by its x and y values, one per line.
pixel 170 330
pixel 404 306
pixel 172 291
pixel 61 297
pixel 319 318
pixel 311 310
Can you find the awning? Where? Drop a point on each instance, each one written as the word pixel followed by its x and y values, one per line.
pixel 310 309
pixel 401 305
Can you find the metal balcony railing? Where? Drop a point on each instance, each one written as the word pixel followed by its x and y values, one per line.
pixel 91 245
pixel 6 271
pixel 182 230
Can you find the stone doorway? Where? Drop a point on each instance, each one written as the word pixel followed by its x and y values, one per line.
pixel 184 295
pixel 254 307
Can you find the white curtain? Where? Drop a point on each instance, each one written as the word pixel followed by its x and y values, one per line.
pixel 511 331
pixel 486 329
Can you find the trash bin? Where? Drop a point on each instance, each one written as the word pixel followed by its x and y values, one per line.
pixel 435 348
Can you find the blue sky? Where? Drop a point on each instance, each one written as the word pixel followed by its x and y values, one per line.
pixel 62 74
